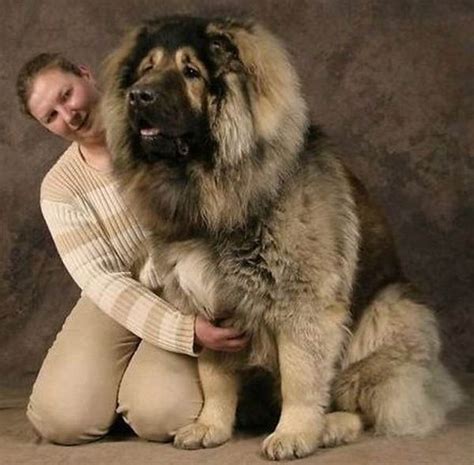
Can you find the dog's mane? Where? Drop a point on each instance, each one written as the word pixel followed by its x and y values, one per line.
pixel 259 129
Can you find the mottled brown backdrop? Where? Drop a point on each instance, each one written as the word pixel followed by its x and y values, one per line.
pixel 389 80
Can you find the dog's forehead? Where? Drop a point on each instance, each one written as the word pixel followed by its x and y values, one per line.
pixel 161 56
pixel 174 35
pixel 161 59
pixel 174 41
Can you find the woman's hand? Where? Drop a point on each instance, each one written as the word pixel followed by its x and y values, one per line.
pixel 217 338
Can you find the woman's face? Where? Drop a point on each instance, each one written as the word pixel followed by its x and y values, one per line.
pixel 67 104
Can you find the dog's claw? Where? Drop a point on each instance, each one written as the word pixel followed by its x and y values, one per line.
pixel 287 446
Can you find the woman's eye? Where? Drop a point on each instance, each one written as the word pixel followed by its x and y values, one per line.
pixel 147 68
pixel 190 72
pixel 66 94
pixel 50 117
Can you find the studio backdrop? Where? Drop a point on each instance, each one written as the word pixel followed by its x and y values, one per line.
pixel 389 81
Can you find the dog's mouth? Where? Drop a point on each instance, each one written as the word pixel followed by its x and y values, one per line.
pixel 158 141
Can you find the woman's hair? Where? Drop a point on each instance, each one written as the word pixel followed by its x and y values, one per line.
pixel 33 67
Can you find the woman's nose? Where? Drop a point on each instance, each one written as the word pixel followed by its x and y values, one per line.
pixel 70 116
pixel 66 113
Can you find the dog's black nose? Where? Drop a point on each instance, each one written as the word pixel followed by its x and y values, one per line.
pixel 141 97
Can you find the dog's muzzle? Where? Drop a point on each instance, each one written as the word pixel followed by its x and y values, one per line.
pixel 163 123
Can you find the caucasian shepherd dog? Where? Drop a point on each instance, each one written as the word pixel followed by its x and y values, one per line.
pixel 253 212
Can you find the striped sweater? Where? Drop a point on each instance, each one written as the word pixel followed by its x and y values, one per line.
pixel 107 252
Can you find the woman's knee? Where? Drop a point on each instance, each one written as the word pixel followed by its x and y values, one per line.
pixel 75 394
pixel 158 420
pixel 160 392
pixel 69 424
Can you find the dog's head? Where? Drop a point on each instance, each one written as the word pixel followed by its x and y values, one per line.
pixel 205 106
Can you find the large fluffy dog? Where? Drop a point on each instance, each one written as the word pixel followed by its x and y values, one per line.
pixel 252 212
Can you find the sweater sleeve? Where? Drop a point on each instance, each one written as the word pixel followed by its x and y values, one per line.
pixel 97 269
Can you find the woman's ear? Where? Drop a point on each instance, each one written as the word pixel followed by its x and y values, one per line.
pixel 86 72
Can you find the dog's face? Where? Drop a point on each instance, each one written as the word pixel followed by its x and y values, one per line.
pixel 202 116
pixel 166 102
pixel 171 89
pixel 173 78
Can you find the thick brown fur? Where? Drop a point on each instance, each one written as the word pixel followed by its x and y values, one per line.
pixel 252 212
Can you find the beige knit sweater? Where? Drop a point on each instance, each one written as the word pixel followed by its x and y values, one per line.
pixel 107 252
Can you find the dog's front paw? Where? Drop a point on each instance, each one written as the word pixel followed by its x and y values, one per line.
pixel 198 435
pixel 341 428
pixel 287 446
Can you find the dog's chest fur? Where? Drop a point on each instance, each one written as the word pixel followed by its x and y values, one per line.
pixel 234 282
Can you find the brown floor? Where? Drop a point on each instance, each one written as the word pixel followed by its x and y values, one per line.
pixel 18 446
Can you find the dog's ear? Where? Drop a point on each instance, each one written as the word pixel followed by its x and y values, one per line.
pixel 224 53
pixel 274 86
pixel 263 55
pixel 115 73
pixel 119 67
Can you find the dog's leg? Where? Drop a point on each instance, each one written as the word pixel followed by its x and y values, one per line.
pixel 216 420
pixel 306 357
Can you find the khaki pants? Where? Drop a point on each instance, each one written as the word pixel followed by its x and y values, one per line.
pixel 97 369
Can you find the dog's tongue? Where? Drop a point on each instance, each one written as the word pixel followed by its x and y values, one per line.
pixel 149 131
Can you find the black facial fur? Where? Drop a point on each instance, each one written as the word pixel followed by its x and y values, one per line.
pixel 184 134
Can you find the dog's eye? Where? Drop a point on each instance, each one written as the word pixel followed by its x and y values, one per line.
pixel 147 68
pixel 190 72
